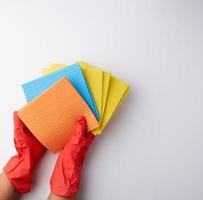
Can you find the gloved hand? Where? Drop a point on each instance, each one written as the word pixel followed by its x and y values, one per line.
pixel 65 180
pixel 29 150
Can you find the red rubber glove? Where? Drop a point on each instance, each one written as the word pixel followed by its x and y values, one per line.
pixel 20 167
pixel 65 180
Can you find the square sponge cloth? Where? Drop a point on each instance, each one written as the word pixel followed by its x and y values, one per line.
pixel 34 88
pixel 51 116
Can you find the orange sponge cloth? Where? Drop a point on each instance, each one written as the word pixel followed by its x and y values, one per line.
pixel 51 116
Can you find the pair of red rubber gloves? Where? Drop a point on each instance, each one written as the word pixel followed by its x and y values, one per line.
pixel 65 180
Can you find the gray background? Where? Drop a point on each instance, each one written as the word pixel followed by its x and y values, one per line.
pixel 152 149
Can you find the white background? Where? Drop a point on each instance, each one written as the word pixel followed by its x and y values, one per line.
pixel 153 147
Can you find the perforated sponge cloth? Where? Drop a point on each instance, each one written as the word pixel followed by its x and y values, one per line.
pixel 51 116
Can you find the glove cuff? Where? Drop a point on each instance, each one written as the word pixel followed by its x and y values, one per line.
pixel 18 175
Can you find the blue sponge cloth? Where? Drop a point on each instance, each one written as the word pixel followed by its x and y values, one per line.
pixel 74 74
